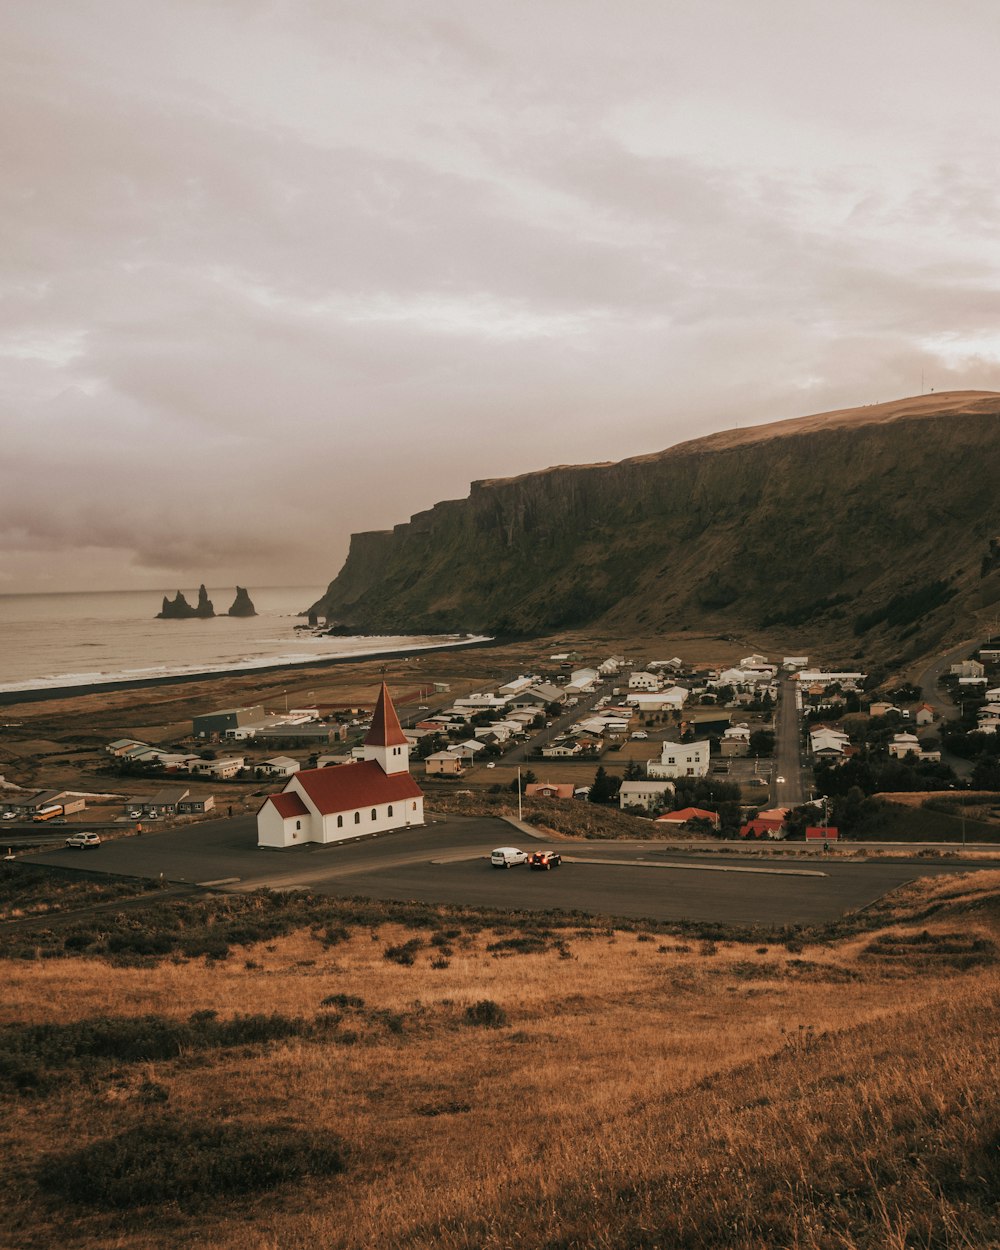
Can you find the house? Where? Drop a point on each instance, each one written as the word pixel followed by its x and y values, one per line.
pixel 444 764
pixel 223 770
pixel 645 794
pixel 924 714
pixel 822 833
pixel 685 814
pixel 561 750
pixel 883 708
pixel 330 804
pixel 767 824
pixel 195 806
pixel 548 790
pixel 903 744
pixel 643 681
pixel 163 803
pixel 792 662
pixel 121 745
pixel 277 766
pixel 967 668
pixel 689 759
pixel 467 750
pixel 658 701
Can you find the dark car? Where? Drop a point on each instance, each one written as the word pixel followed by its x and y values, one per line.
pixel 545 859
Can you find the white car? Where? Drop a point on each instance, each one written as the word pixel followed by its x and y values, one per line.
pixel 640 733
pixel 135 815
pixel 82 840
pixel 507 857
pixel 10 815
pixel 780 780
pixel 491 764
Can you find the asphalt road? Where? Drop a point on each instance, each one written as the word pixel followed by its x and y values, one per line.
pixel 790 791
pixel 447 862
pixel 940 700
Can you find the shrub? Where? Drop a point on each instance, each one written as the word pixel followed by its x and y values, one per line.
pixel 486 1014
pixel 404 954
pixel 187 1162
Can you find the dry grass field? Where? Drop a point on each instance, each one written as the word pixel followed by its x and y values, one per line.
pixel 457 1084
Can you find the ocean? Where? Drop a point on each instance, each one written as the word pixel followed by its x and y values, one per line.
pixel 49 641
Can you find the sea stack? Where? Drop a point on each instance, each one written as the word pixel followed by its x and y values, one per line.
pixel 204 608
pixel 178 608
pixel 242 604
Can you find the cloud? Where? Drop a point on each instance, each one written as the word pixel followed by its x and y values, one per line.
pixel 277 273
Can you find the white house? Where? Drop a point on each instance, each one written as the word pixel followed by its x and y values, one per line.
pixel 903 744
pixel 646 794
pixel 643 681
pixel 331 804
pixel 278 766
pixel 967 668
pixel 680 759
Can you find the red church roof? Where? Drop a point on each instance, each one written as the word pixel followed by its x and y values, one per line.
pixel 349 786
pixel 386 730
pixel 287 805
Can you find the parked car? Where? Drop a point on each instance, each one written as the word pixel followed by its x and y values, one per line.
pixel 10 815
pixel 545 859
pixel 82 840
pixel 640 733
pixel 491 764
pixel 780 780
pixel 507 857
pixel 135 815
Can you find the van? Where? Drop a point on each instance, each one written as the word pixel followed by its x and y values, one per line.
pixel 507 856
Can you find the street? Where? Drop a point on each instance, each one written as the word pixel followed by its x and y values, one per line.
pixel 447 862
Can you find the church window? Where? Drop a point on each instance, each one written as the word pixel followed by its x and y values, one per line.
pixel 357 818
pixel 298 824
pixel 390 810
pixel 374 813
pixel 340 822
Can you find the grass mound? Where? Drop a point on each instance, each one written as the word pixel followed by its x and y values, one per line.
pixel 173 1160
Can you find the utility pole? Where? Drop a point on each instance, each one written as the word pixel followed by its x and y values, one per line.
pixel 519 791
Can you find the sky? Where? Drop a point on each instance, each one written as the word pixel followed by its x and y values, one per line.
pixel 272 273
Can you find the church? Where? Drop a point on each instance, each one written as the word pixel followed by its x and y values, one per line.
pixel 348 800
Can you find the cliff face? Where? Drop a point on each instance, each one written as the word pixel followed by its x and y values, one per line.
pixel 820 521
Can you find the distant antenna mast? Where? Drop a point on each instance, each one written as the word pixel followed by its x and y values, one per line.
pixel 921 381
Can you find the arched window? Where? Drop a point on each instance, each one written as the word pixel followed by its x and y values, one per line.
pixel 414 807
pixel 357 818
pixel 390 809
pixel 340 822
pixel 298 824
pixel 374 814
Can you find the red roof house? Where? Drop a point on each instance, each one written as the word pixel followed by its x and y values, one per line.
pixel 685 814
pixel 348 800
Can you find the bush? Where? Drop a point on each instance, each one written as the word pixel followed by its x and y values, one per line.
pixel 404 954
pixel 486 1014
pixel 187 1162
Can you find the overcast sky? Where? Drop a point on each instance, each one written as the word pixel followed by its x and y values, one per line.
pixel 275 272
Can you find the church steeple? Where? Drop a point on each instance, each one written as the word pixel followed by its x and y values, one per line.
pixel 385 742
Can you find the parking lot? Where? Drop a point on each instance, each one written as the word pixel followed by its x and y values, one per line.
pixel 448 862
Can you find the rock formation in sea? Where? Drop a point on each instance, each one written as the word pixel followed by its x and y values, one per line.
pixel 242 604
pixel 205 607
pixel 178 608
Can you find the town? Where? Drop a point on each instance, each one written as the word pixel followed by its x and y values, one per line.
pixel 758 750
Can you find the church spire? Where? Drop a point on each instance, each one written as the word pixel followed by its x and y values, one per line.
pixel 385 742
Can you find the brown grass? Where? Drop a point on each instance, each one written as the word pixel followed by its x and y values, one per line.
pixel 646 1091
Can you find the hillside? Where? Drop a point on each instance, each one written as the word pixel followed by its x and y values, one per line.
pixel 870 526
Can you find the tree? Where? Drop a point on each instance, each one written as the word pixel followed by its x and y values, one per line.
pixel 762 742
pixel 633 771
pixel 601 790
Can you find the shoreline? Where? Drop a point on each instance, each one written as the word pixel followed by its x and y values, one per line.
pixel 42 694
